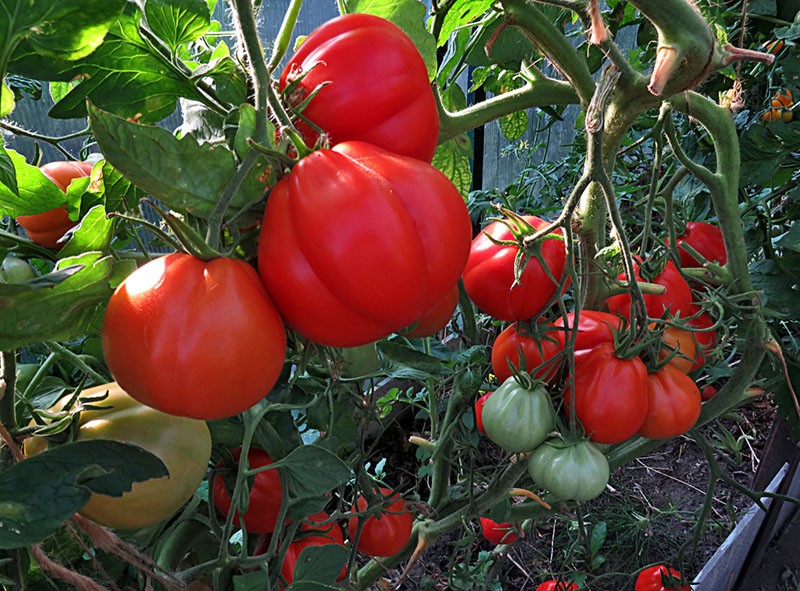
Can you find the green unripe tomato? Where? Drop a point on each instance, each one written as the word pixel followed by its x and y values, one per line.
pixel 517 418
pixel 570 471
pixel 14 270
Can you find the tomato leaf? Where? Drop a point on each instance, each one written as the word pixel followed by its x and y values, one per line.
pixel 328 471
pixel 183 174
pixel 410 363
pixel 43 491
pixel 409 15
pixel 320 564
pixel 58 306
pixel 36 193
pixel 178 21
pixel 514 125
pixel 119 192
pixel 461 13
pixel 8 176
pixel 93 234
pixel 453 159
pixel 249 582
pixel 6 100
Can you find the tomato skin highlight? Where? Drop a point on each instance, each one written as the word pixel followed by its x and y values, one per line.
pixel 265 496
pixel 395 110
pixel 184 445
pixel 194 338
pixel 535 351
pixel 47 228
pixel 610 395
pixel 577 471
pixel 498 533
pixel 652 579
pixel 386 534
pixel 372 241
pixel 489 274
pixel 673 404
pixel 706 239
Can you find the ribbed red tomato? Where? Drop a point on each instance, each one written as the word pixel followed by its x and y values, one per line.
pixel 515 346
pixel 265 495
pixel 655 578
pixel 194 338
pixel 437 318
pixel 311 534
pixel 489 276
pixel 610 395
pixel 706 239
pixel 498 533
pixel 593 328
pixel 357 243
pixel 677 299
pixel 673 404
pixel 372 85
pixel 387 533
pixel 45 229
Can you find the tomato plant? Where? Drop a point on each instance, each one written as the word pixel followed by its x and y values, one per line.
pixel 371 239
pixel 570 471
pixel 609 395
pixel 677 298
pixel 498 533
pixel 673 404
pixel 489 276
pixel 184 445
pixel 385 534
pixel 335 67
pixel 265 496
pixel 554 585
pixel 194 338
pixel 516 347
pixel 657 578
pixel 706 239
pixel 517 417
pixel 47 228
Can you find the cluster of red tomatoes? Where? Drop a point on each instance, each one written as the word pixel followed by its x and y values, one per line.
pixel 614 392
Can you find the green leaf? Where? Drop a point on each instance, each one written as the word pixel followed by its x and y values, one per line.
pixel 60 29
pixel 778 288
pixel 254 581
pixel 184 175
pixel 120 194
pixel 790 239
pixel 43 491
pixel 312 471
pixel 410 359
pixel 8 176
pixel 514 125
pixel 321 564
pixel 461 13
pixel 6 100
pixel 409 15
pixel 58 306
pixel 37 193
pixel 453 159
pixel 598 537
pixel 178 21
pixel 310 586
pixel 93 234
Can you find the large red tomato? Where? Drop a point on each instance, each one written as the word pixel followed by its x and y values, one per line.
pixel 516 346
pixel 656 578
pixel 673 404
pixel 45 229
pixel 489 275
pixel 610 395
pixel 266 496
pixel 385 534
pixel 437 318
pixel 706 239
pixel 371 85
pixel 194 338
pixel 676 300
pixel 593 328
pixel 357 243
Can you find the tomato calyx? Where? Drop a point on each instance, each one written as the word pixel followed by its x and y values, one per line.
pixel 189 239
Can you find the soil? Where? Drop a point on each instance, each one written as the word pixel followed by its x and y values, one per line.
pixel 649 514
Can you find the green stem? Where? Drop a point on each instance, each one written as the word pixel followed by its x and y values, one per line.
pixel 8 414
pixel 284 37
pixel 76 360
pixel 247 32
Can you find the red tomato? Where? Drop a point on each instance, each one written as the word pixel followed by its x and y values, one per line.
pixel 372 85
pixel 265 496
pixel 479 411
pixel 498 533
pixel 45 229
pixel 489 275
pixel 534 351
pixel 437 318
pixel 317 535
pixel 610 395
pixel 594 327
pixel 553 585
pixel 708 392
pixel 386 534
pixel 677 299
pixel 684 346
pixel 194 338
pixel 655 579
pixel 357 243
pixel 705 339
pixel 706 239
pixel 673 404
